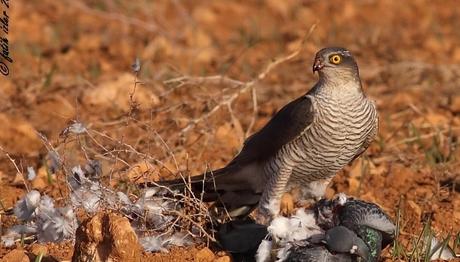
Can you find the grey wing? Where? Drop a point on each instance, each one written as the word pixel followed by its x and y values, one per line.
pixel 242 175
pixel 284 127
pixel 357 213
pixel 243 172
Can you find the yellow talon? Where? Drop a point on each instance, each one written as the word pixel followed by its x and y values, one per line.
pixel 287 204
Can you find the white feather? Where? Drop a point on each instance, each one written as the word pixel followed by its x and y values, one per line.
pixel 153 244
pixel 280 227
pixel 264 251
pixel 54 225
pixel 298 227
pixel 179 239
pixel 440 252
pixel 124 199
pixel 302 225
pixel 341 198
pixel 25 207
pixel 8 241
pixel 15 233
pixel 31 175
pixel 88 198
pixel 55 161
pixel 283 252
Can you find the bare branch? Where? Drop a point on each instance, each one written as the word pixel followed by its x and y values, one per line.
pixel 199 80
pixel 15 166
pixel 244 86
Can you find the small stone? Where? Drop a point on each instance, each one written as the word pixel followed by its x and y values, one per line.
pixel 16 255
pixel 204 255
pixel 139 171
pixel 18 136
pixel 18 180
pixel 224 259
pixel 457 215
pixel 416 208
pixel 106 237
pixel 113 95
pixel 400 176
pixel 38 249
pixel 455 105
pixel 41 181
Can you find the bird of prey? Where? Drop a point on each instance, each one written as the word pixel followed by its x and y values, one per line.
pixel 302 146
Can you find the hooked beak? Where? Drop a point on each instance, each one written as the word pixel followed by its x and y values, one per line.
pixel 318 64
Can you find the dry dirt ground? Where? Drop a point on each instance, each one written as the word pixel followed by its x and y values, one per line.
pixel 72 61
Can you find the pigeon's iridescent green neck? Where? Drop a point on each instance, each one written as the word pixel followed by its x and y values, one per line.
pixel 373 239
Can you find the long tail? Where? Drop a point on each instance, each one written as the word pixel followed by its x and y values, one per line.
pixel 226 186
pixel 205 182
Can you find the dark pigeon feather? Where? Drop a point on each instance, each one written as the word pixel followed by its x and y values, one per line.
pixel 342 240
pixel 241 238
pixel 317 254
pixel 359 215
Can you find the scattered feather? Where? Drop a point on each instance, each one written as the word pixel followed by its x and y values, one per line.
pixel 69 224
pixel 180 239
pixel 136 66
pixel 75 128
pixel 21 230
pixel 55 161
pixel 283 252
pixel 151 208
pixel 153 244
pixel 124 199
pixel 15 233
pixel 8 241
pixel 302 225
pixel 264 251
pixel 279 228
pixel 88 198
pixel 93 169
pixel 298 227
pixel 77 178
pixel 54 225
pixel 340 199
pixel 439 251
pixel 25 207
pixel 46 207
pixel 31 175
pixel 151 192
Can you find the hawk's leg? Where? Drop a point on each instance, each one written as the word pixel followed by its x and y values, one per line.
pixel 302 196
pixel 287 204
pixel 290 200
pixel 314 191
pixel 278 172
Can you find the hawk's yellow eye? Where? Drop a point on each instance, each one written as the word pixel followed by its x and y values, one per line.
pixel 335 59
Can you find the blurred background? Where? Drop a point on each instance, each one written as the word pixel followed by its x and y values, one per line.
pixel 72 62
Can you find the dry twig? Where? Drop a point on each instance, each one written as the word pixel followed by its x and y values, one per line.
pixel 15 166
pixel 244 86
